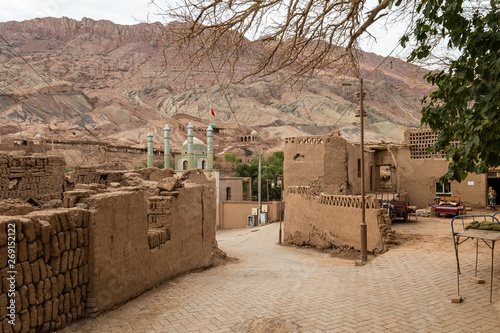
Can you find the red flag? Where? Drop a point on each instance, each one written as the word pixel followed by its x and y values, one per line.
pixel 212 112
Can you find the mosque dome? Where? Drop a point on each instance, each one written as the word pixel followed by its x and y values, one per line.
pixel 254 133
pixel 198 146
pixel 213 125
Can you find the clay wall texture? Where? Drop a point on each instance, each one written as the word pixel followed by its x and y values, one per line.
pixel 332 220
pixel 354 176
pixel 39 178
pixel 330 165
pixel 123 264
pixel 52 269
pixel 145 229
pixel 420 171
pixel 92 175
pixel 419 177
pixel 274 210
pixel 236 186
pixel 318 162
pixel 234 214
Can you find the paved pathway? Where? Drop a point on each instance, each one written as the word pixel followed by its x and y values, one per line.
pixel 302 290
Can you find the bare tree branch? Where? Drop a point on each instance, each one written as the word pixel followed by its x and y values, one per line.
pixel 294 37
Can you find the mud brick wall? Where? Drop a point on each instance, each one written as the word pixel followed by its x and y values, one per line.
pixel 130 254
pixel 159 218
pixel 52 269
pixel 333 220
pixel 94 176
pixel 39 178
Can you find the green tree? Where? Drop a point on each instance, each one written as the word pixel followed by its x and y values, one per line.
pixel 271 169
pixel 465 108
pixel 232 158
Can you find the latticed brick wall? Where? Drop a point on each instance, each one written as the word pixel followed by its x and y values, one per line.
pixel 419 141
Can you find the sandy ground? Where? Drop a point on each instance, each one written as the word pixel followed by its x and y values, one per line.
pixel 432 233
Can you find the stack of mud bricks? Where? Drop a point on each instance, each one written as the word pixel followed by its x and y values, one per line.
pixel 31 177
pixel 52 270
pixel 158 220
pixel 93 176
pixel 159 215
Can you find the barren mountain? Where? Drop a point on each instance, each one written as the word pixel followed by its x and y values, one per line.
pixel 110 82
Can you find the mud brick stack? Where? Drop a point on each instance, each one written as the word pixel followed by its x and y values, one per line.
pixel 159 214
pixel 52 269
pixel 39 178
pixel 159 220
pixel 91 175
pixel 159 211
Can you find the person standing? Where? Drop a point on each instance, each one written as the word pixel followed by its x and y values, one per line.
pixel 492 197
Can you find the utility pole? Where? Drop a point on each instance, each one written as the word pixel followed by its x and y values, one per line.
pixel 363 209
pixel 362 226
pixel 267 187
pixel 280 184
pixel 259 187
pixel 166 149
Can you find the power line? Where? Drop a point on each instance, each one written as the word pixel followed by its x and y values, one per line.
pixel 394 49
pixel 52 88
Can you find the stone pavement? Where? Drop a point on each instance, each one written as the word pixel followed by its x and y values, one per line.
pixel 302 290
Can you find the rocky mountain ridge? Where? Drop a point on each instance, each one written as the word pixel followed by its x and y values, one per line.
pixel 117 87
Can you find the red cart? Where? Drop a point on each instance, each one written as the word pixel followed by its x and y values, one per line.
pixel 396 204
pixel 448 206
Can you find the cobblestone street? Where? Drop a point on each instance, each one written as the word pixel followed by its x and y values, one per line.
pixel 406 289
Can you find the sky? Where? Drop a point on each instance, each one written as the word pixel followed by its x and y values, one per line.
pixel 136 11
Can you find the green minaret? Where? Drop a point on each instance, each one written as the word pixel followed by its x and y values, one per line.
pixel 166 151
pixel 210 147
pixel 190 133
pixel 150 150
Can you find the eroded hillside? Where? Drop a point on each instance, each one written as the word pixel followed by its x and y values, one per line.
pixel 110 81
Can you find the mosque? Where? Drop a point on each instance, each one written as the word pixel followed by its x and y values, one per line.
pixel 194 153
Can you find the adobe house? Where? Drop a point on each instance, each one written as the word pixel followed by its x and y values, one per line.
pixel 233 189
pixel 333 166
pixel 253 137
pixel 322 175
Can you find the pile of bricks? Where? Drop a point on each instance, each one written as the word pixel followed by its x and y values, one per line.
pixel 38 178
pixel 91 175
pixel 159 215
pixel 52 271
pixel 159 211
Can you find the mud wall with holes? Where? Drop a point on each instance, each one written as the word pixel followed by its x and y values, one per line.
pixel 333 220
pixel 319 162
pixel 39 178
pixel 420 171
pixel 51 265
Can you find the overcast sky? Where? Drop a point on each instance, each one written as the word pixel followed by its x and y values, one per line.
pixel 135 11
